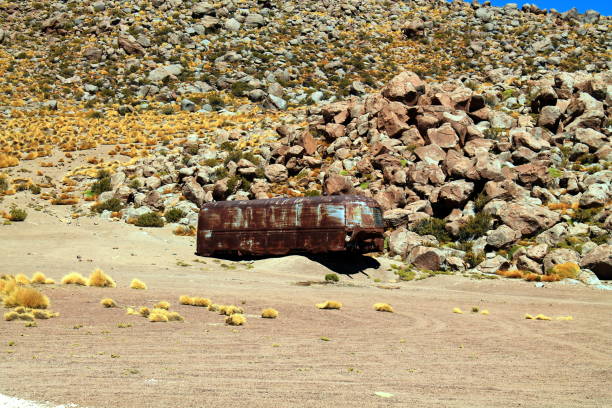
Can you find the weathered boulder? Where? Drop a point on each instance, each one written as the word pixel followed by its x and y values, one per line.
pixel 276 173
pixel 337 184
pixel 560 256
pixel 599 260
pixel 502 236
pixel 527 218
pixel 424 257
pixel 193 191
pixel 405 87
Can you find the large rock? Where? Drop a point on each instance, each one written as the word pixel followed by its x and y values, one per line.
pixel 599 260
pixel 444 136
pixel 560 256
pixel 402 241
pixel 527 218
pixel 276 173
pixel 336 185
pixel 159 74
pixel 494 264
pixel 426 258
pixel 193 191
pixel 596 195
pixel 130 47
pixel 502 236
pixel 456 193
pixel 405 87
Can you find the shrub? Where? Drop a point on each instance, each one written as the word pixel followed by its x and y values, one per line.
pixel 17 214
pixel 586 214
pixel 138 284
pixel 74 278
pixel 185 300
pixel 108 302
pixel 330 304
pixel 474 259
pixel 162 305
pixel 144 311
pixel 240 89
pixel 383 307
pixel 174 214
pixel 3 184
pixel 12 315
pixel 100 279
pixel 201 302
pixel 331 277
pixel 457 310
pixel 432 226
pixel 230 310
pixel 39 277
pixel 150 219
pixel 235 320
pixel 22 279
pixel 476 227
pixel 269 313
pixel 112 204
pixel 102 184
pixel 565 270
pixel 27 297
pixel 34 189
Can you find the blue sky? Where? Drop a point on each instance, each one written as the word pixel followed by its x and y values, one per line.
pixel 602 6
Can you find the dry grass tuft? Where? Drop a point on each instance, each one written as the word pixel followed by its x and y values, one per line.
pixel 528 316
pixel 21 309
pixel 565 318
pixel 213 307
pixel 550 278
pixel 175 317
pixel 12 315
pixel 515 274
pixel 162 305
pixel 44 314
pixel 158 317
pixel 144 311
pixel 22 279
pixel 108 302
pixel 130 311
pixel 27 297
pixel 28 317
pixel 185 300
pixel 532 277
pixel 236 319
pixel 542 317
pixel 49 281
pixel 485 312
pixel 200 302
pixel 566 270
pixel 330 304
pixel 39 277
pixel 100 279
pixel 138 284
pixel 74 278
pixel 269 313
pixel 7 285
pixel 383 307
pixel 230 310
pixel 457 310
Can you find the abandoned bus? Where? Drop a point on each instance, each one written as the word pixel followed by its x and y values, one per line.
pixel 280 226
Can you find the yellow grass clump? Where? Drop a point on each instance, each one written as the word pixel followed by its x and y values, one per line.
pixel 49 281
pixel 43 314
pixel 565 318
pixel 330 304
pixel 383 307
pixel 565 270
pixel 201 302
pixel 144 311
pixel 108 302
pixel 528 316
pixel 39 277
pixel 485 312
pixel 457 310
pixel 269 313
pixel 235 319
pixel 131 311
pixel 230 310
pixel 162 305
pixel 213 307
pixel 515 274
pixel 175 317
pixel 542 317
pixel 27 297
pixel 28 317
pixel 21 309
pixel 100 279
pixel 74 278
pixel 22 279
pixel 138 284
pixel 185 300
pixel 12 315
pixel 158 317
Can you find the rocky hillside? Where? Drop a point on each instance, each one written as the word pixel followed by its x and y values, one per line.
pixel 183 54
pixel 483 146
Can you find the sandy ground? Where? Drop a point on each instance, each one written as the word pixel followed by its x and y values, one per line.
pixel 421 356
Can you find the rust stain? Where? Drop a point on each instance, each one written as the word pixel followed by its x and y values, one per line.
pixel 281 226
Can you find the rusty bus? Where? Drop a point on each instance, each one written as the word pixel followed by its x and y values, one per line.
pixel 279 226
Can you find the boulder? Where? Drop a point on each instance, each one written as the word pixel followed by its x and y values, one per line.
pixel 560 256
pixel 337 185
pixel 405 87
pixel 527 218
pixel 424 257
pixel 193 191
pixel 599 260
pixel 502 236
pixel 276 173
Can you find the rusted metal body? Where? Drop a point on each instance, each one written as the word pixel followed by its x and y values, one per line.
pixel 281 226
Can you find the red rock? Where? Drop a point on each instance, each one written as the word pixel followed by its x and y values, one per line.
pixel 337 185
pixel 444 136
pixel 430 152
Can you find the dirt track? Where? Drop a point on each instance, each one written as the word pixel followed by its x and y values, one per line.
pixel 423 354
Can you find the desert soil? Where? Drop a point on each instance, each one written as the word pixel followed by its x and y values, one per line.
pixel 423 354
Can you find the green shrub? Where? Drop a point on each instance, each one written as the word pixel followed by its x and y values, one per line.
pixel 174 214
pixel 586 214
pixel 151 219
pixel 102 184
pixel 432 226
pixel 3 184
pixel 476 227
pixel 240 89
pixel 405 274
pixel 18 214
pixel 112 204
pixel 332 277
pixel 474 259
pixel 481 200
pixel 34 189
